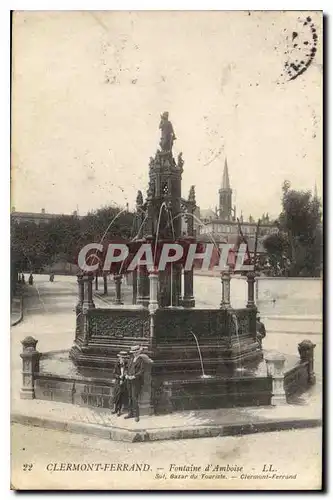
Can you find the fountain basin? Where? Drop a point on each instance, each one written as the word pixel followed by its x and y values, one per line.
pixel 59 379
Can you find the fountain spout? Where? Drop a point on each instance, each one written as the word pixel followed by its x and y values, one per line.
pixel 204 375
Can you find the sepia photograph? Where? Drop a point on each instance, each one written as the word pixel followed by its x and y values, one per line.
pixel 166 250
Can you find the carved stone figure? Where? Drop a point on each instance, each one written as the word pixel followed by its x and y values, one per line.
pixel 191 195
pixel 139 199
pixel 180 162
pixel 167 133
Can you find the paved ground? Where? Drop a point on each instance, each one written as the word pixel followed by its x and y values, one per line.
pixel 16 307
pixel 49 316
pixel 290 453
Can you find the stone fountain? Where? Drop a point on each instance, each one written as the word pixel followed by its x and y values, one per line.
pixel 203 358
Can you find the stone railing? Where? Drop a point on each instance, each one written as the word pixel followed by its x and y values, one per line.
pixel 297 379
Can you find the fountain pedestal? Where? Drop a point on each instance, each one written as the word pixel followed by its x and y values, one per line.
pixel 143 286
pixel 250 289
pixel 118 279
pixel 153 282
pixel 225 280
pixel 188 298
pixel 275 363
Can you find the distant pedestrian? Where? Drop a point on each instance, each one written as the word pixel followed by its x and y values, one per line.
pixel 120 390
pixel 52 277
pixel 261 330
pixel 135 380
pixel 31 279
pixel 23 279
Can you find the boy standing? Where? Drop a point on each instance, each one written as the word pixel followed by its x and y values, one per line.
pixel 120 390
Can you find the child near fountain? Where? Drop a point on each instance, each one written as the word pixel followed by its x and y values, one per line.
pixel 120 390
pixel 261 331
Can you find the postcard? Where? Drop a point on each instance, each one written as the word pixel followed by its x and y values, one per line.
pixel 166 250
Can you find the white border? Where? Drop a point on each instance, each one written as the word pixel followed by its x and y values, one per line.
pixel 5 8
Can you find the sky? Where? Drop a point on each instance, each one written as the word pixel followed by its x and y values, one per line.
pixel 88 89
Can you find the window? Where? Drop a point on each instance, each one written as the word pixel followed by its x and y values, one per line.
pixel 165 189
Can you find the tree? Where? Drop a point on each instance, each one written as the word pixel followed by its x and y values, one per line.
pixel 109 221
pixel 277 248
pixel 34 246
pixel 296 249
pixel 28 245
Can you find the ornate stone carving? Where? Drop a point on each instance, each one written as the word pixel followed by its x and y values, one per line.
pixel 180 161
pixel 139 199
pixel 116 324
pixel 191 196
pixel 151 189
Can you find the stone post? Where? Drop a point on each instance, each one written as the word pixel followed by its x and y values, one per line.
pixel 153 288
pixel 146 397
pixel 88 302
pixel 250 290
pixel 135 285
pixel 118 279
pixel 79 306
pixel 143 286
pixel 80 286
pixel 225 280
pixel 275 364
pixel 188 298
pixel 105 284
pixel 177 284
pixel 306 352
pixel 30 357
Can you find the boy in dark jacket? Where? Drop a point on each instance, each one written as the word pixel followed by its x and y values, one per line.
pixel 120 390
pixel 135 380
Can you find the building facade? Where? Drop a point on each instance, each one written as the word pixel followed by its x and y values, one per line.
pixel 37 218
pixel 223 224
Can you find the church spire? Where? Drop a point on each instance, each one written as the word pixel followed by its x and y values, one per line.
pixel 225 195
pixel 225 179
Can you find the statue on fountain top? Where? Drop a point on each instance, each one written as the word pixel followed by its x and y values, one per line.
pixel 167 133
